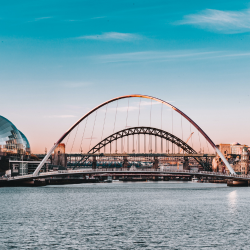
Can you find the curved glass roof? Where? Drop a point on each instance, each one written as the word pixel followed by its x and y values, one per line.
pixel 26 142
pixel 11 140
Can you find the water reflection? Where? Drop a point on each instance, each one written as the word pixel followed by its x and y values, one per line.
pixel 232 199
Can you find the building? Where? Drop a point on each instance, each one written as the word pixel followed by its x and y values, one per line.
pixel 26 167
pixel 14 147
pixel 225 149
pixel 244 164
pixel 236 148
pixel 12 141
pixel 59 157
pixel 236 154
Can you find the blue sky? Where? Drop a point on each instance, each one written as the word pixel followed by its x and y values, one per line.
pixel 58 59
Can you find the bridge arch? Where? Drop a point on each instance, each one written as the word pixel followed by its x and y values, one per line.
pixel 133 96
pixel 144 131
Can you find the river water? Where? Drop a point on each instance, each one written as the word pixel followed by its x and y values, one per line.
pixel 152 215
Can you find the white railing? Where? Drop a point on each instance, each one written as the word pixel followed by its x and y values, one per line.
pixel 22 176
pixel 81 171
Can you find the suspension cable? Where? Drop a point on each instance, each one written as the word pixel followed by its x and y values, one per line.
pixel 191 136
pixel 139 112
pixel 161 114
pixel 155 144
pixel 92 130
pixel 126 127
pixel 150 137
pixel 161 127
pixel 167 143
pixel 67 140
pixel 104 121
pixel 199 140
pixel 83 133
pixel 74 139
pixel 116 146
pixel 127 114
pixel 138 143
pixel 150 112
pixel 128 144
pixel 115 116
pixel 161 145
pixel 172 129
pixel 181 128
pixel 133 143
pixel 208 147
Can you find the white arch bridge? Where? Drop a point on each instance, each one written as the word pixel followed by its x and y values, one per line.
pixel 161 133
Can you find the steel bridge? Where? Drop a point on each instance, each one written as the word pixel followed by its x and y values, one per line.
pixel 163 135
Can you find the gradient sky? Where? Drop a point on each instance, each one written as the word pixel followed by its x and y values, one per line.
pixel 58 59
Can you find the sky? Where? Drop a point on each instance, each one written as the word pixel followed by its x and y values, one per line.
pixel 59 59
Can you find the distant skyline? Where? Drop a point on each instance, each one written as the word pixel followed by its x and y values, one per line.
pixel 59 59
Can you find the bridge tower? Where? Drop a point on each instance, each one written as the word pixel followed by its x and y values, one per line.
pixel 125 162
pixel 94 162
pixel 186 163
pixel 156 163
pixel 59 157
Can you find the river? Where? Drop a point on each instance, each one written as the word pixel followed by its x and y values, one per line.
pixel 148 215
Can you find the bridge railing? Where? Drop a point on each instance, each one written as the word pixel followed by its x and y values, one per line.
pixel 22 176
pixel 81 171
pixel 136 170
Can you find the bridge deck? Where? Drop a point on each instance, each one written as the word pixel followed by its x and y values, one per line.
pixel 128 172
pixel 135 155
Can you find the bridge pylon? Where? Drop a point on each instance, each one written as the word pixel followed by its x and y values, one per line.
pixel 186 163
pixel 125 162
pixel 94 162
pixel 156 162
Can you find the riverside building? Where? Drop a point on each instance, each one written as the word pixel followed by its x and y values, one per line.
pixel 15 152
pixel 236 154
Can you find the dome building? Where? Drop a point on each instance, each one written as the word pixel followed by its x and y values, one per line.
pixel 15 153
pixel 26 142
pixel 12 141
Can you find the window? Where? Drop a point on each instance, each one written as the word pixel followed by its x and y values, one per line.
pixel 15 168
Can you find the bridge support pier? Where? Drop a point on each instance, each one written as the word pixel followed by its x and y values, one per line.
pixel 125 162
pixel 186 163
pixel 94 162
pixel 156 163
pixel 237 183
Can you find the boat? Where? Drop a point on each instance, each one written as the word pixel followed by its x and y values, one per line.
pixel 195 179
pixel 108 180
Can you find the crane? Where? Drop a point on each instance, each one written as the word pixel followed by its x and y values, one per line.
pixel 187 140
